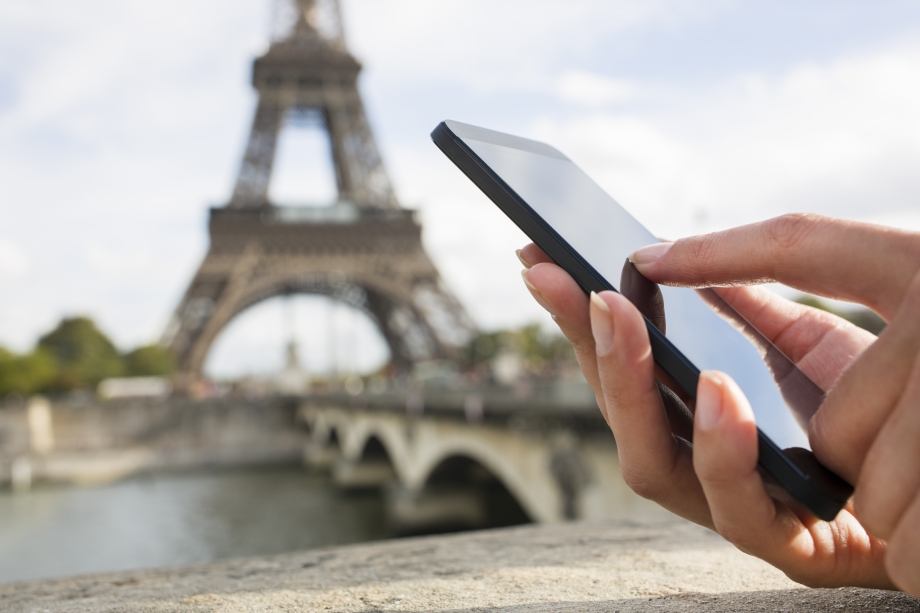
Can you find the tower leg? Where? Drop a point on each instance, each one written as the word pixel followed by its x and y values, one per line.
pixel 256 169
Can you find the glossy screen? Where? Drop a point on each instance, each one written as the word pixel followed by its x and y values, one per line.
pixel 708 332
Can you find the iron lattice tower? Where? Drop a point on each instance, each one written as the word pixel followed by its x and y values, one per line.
pixel 364 250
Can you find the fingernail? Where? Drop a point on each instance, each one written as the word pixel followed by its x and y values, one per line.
pixel 520 255
pixel 601 325
pixel 527 282
pixel 649 254
pixel 536 294
pixel 708 400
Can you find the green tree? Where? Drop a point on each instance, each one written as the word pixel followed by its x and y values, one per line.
pixel 541 351
pixel 25 374
pixel 149 361
pixel 83 355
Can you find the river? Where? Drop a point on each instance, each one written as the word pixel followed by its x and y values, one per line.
pixel 178 518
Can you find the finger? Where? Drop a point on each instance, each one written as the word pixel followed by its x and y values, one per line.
pixel 561 296
pixel 856 408
pixel 890 478
pixel 655 464
pixel 903 559
pixel 815 254
pixel 821 344
pixel 531 255
pixel 725 458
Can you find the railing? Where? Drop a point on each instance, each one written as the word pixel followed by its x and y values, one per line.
pixel 559 398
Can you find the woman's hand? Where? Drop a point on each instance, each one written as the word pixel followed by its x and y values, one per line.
pixel 718 485
pixel 868 429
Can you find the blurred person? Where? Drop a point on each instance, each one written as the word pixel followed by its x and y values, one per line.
pixel 867 430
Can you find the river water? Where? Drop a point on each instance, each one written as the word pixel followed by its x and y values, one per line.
pixel 178 518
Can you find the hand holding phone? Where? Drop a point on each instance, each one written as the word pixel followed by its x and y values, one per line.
pixel 867 428
pixel 714 482
pixel 654 459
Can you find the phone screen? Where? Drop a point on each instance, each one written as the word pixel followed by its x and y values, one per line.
pixel 698 322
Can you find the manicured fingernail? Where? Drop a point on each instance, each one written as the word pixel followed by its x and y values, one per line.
pixel 527 282
pixel 649 254
pixel 708 400
pixel 601 325
pixel 536 294
pixel 520 255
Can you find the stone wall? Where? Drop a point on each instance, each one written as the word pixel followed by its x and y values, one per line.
pixel 651 565
pixel 99 441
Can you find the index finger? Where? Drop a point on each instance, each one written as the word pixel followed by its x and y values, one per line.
pixel 835 258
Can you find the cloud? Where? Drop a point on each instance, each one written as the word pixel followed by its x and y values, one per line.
pixel 13 262
pixel 841 139
pixel 594 90
pixel 486 47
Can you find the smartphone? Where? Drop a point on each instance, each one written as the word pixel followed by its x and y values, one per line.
pixel 589 235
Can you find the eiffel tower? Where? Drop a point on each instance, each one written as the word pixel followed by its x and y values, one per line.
pixel 364 249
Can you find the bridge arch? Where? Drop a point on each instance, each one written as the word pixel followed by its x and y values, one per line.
pixel 389 433
pixel 492 459
pixel 500 506
pixel 375 451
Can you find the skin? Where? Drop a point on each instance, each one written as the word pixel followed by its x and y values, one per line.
pixel 867 430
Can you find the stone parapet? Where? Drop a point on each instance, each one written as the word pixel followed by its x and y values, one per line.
pixel 654 565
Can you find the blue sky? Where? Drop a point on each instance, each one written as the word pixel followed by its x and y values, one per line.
pixel 122 120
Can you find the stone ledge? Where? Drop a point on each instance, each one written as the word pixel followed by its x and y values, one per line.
pixel 658 564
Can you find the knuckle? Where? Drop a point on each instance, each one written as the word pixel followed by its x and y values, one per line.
pixel 714 472
pixel 788 232
pixel 701 251
pixel 640 483
pixel 580 344
pixel 739 536
pixel 699 248
pixel 586 358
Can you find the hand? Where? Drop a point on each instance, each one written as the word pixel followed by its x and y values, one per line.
pixel 868 429
pixel 718 486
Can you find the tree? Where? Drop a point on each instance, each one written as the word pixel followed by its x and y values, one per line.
pixel 542 352
pixel 83 355
pixel 25 374
pixel 149 361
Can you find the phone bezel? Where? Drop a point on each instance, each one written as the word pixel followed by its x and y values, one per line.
pixel 822 492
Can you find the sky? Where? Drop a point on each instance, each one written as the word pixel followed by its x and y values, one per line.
pixel 122 121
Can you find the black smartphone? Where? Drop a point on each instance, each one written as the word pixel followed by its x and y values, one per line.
pixel 589 235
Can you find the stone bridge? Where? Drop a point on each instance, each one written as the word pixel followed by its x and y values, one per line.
pixel 474 458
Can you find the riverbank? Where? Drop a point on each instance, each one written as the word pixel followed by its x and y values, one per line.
pixel 84 441
pixel 662 565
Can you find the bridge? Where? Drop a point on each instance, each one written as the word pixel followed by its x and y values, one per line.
pixel 444 458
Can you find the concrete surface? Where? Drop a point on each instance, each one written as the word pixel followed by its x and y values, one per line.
pixel 654 565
